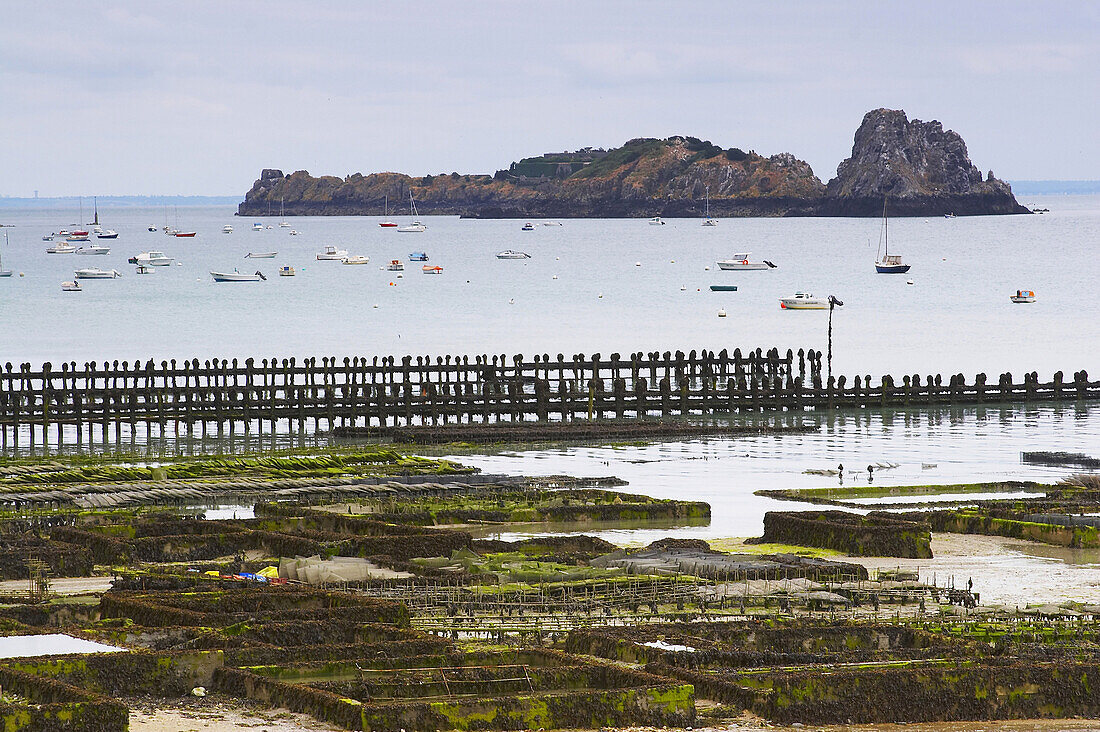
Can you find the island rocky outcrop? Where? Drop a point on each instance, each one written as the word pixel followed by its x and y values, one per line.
pixel 922 168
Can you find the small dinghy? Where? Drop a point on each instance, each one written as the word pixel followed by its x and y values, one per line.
pixel 723 288
pixel 357 259
pixel 260 255
pixel 428 269
pixel 286 271
pixel 236 276
pixel 71 286
pixel 512 254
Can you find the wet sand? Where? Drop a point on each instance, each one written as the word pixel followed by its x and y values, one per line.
pixel 216 713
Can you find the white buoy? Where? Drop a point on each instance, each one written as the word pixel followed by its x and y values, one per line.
pixel 721 313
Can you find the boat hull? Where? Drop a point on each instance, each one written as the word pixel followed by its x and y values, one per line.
pixel 234 277
pixel 741 266
pixel 723 288
pixel 892 268
pixel 96 274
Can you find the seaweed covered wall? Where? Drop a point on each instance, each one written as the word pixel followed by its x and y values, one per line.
pixel 874 535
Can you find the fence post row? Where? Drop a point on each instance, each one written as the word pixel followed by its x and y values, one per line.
pixel 423 390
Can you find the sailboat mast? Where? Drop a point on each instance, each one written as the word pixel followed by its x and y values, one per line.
pixel 95 204
pixel 885 230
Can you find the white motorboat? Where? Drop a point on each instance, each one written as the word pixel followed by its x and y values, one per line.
pixel 236 276
pixel 63 232
pixel 48 237
pixel 429 269
pixel 260 255
pixel 293 232
pixel 71 286
pixel 742 262
pixel 415 227
pixel 1022 296
pixel 551 223
pixel 77 237
pixel 528 227
pixel 152 259
pixel 803 301
pixel 512 254
pixel 227 229
pixel 95 273
pixel 93 249
pixel 286 271
pixel 332 253
pixel 109 234
pixel 396 265
pixel 61 248
pixel 357 259
pixel 656 221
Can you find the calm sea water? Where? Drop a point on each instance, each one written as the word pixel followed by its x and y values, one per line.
pixel 955 317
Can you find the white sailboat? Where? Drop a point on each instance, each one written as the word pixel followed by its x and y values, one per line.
pixel 283 223
pixel 415 227
pixel 708 221
pixel 888 263
pixel 741 262
pixel 4 272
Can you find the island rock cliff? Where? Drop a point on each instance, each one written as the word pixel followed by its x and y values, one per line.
pixel 923 168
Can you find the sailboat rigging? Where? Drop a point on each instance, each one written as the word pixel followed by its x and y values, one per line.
pixel 415 226
pixel 708 221
pixel 4 272
pixel 888 263
pixel 387 224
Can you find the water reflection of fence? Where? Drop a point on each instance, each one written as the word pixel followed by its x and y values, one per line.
pixel 275 396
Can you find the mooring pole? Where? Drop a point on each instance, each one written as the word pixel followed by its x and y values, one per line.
pixel 832 303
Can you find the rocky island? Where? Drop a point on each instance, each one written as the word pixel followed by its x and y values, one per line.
pixel 924 169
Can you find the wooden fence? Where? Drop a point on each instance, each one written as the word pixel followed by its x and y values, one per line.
pixel 319 394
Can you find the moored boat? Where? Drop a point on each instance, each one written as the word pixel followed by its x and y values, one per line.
pixel 236 276
pixel 185 234
pixel 93 250
pixel 415 227
pixel 1022 296
pixel 260 255
pixel 429 269
pixel 332 253
pixel 512 254
pixel 77 237
pixel 528 227
pixel 742 262
pixel 152 259
pixel 61 248
pixel 227 229
pixel 257 226
pixel 286 271
pixel 396 265
pixel 803 301
pixel 95 273
pixel 357 259
pixel 656 221
pixel 723 288
pixel 418 256
pixel 71 286
pixel 888 263
pixel 109 234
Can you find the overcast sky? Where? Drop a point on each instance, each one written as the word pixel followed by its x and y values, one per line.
pixel 196 97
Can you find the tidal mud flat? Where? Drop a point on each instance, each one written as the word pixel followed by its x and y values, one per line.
pixel 357 595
